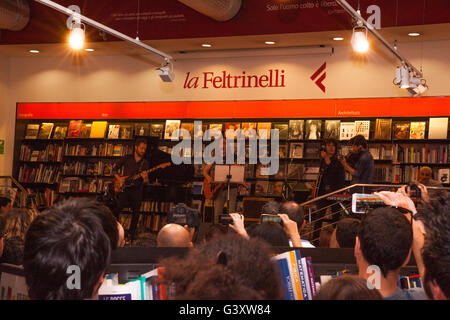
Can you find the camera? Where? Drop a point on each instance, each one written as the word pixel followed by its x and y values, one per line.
pixel 183 215
pixel 414 191
pixel 225 219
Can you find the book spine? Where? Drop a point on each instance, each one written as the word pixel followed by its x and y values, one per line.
pixel 286 285
pixel 293 269
pixel 301 273
pixel 307 279
pixel 311 275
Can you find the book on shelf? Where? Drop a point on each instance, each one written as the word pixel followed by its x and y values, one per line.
pixel 249 129
pixel 156 130
pixel 32 131
pixel 417 130
pixel 401 130
pixel 444 175
pixel 126 131
pixel 45 131
pixel 258 174
pixel 362 127
pixel 142 129
pixel 295 171
pixel 296 129
pixel 261 187
pixel 438 128
pixel 113 131
pixel 249 171
pixel 199 130
pixel 282 150
pixel 112 290
pixel 281 171
pixel 283 129
pixel 232 129
pixel 197 187
pixel 60 132
pixel 275 188
pixel 263 130
pixel 74 128
pixel 332 129
pixel 313 129
pixel 296 150
pixel 346 130
pixel 98 129
pixel 85 130
pixel 383 129
pixel 172 127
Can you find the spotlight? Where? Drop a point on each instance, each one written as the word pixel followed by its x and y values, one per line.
pixel 408 80
pixel 359 39
pixel 166 72
pixel 402 77
pixel 76 38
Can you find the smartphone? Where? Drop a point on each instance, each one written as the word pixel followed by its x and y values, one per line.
pixel 362 202
pixel 270 218
pixel 225 219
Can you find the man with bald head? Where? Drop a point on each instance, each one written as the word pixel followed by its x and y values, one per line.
pixel 296 213
pixel 174 235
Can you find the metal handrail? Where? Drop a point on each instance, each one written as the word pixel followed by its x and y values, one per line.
pixel 15 182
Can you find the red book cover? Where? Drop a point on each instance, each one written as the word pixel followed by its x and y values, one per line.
pixel 162 284
pixel 74 128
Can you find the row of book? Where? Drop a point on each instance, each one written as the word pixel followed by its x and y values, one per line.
pixel 409 174
pixel 420 154
pixel 39 174
pixel 102 149
pixel 382 152
pixel 156 206
pixel 152 222
pixel 75 184
pixel 44 197
pixel 295 129
pixel 97 168
pixel 51 153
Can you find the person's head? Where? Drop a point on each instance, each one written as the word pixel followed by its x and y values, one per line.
pixel 197 277
pixel 358 143
pixel 270 207
pixel 242 256
pixel 346 232
pixel 2 233
pixel 295 212
pixel 271 232
pixel 215 230
pixel 5 205
pixel 66 248
pixel 436 250
pixel 140 147
pixel 331 146
pixel 121 233
pixel 425 175
pixel 17 223
pixel 347 287
pixel 109 224
pixel 173 235
pixel 384 239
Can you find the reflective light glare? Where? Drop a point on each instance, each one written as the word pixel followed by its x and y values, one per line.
pixel 206 45
pixel 34 51
pixel 359 41
pixel 413 34
pixel 76 38
pixel 269 42
pixel 338 39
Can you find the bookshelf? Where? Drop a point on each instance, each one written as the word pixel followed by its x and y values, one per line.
pixel 80 166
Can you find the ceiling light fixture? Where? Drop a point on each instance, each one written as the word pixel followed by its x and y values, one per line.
pixel 89 49
pixel 413 34
pixel 166 71
pixel 269 42
pixel 406 78
pixel 338 38
pixel 206 45
pixel 359 37
pixel 76 37
pixel 34 51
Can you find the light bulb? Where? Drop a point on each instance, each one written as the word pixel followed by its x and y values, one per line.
pixel 359 40
pixel 76 38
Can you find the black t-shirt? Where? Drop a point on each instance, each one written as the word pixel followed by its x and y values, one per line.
pixel 130 166
pixel 333 176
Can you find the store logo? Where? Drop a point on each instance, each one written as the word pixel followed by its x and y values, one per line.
pixel 321 78
pixel 273 78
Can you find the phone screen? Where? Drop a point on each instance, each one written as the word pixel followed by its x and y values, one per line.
pixel 362 202
pixel 270 218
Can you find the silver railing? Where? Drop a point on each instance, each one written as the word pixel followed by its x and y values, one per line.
pixel 315 206
pixel 11 188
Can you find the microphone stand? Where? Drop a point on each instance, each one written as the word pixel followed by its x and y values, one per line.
pixel 228 187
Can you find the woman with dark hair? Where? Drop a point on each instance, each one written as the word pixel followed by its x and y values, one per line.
pixel 347 287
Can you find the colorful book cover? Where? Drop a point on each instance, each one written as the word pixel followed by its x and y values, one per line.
pixel 32 131
pixel 307 279
pixel 113 132
pixel 60 132
pixel 383 129
pixel 85 130
pixel 401 130
pixel 283 130
pixel 444 175
pixel 215 129
pixel 417 130
pixel 296 150
pixel 332 129
pixel 362 127
pixel 286 283
pixel 172 127
pixel 142 129
pixel 126 131
pixel 313 129
pixel 156 130
pixel 264 130
pixel 294 269
pixel 261 188
pixel 46 130
pixel 311 276
pixel 282 151
pixel 346 130
pixel 249 129
pixel 74 128
pixel 296 129
pixel 438 128
pixel 98 129
pixel 189 127
pixel 302 274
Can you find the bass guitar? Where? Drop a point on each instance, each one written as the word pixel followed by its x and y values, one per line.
pixel 211 192
pixel 129 181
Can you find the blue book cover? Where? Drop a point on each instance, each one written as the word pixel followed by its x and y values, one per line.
pixel 302 274
pixel 286 284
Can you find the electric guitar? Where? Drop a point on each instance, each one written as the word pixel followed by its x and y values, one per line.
pixel 128 181
pixel 211 192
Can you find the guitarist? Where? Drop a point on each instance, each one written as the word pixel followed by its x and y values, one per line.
pixel 131 196
pixel 332 177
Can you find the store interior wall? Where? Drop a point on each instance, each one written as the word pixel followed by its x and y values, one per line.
pixel 120 78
